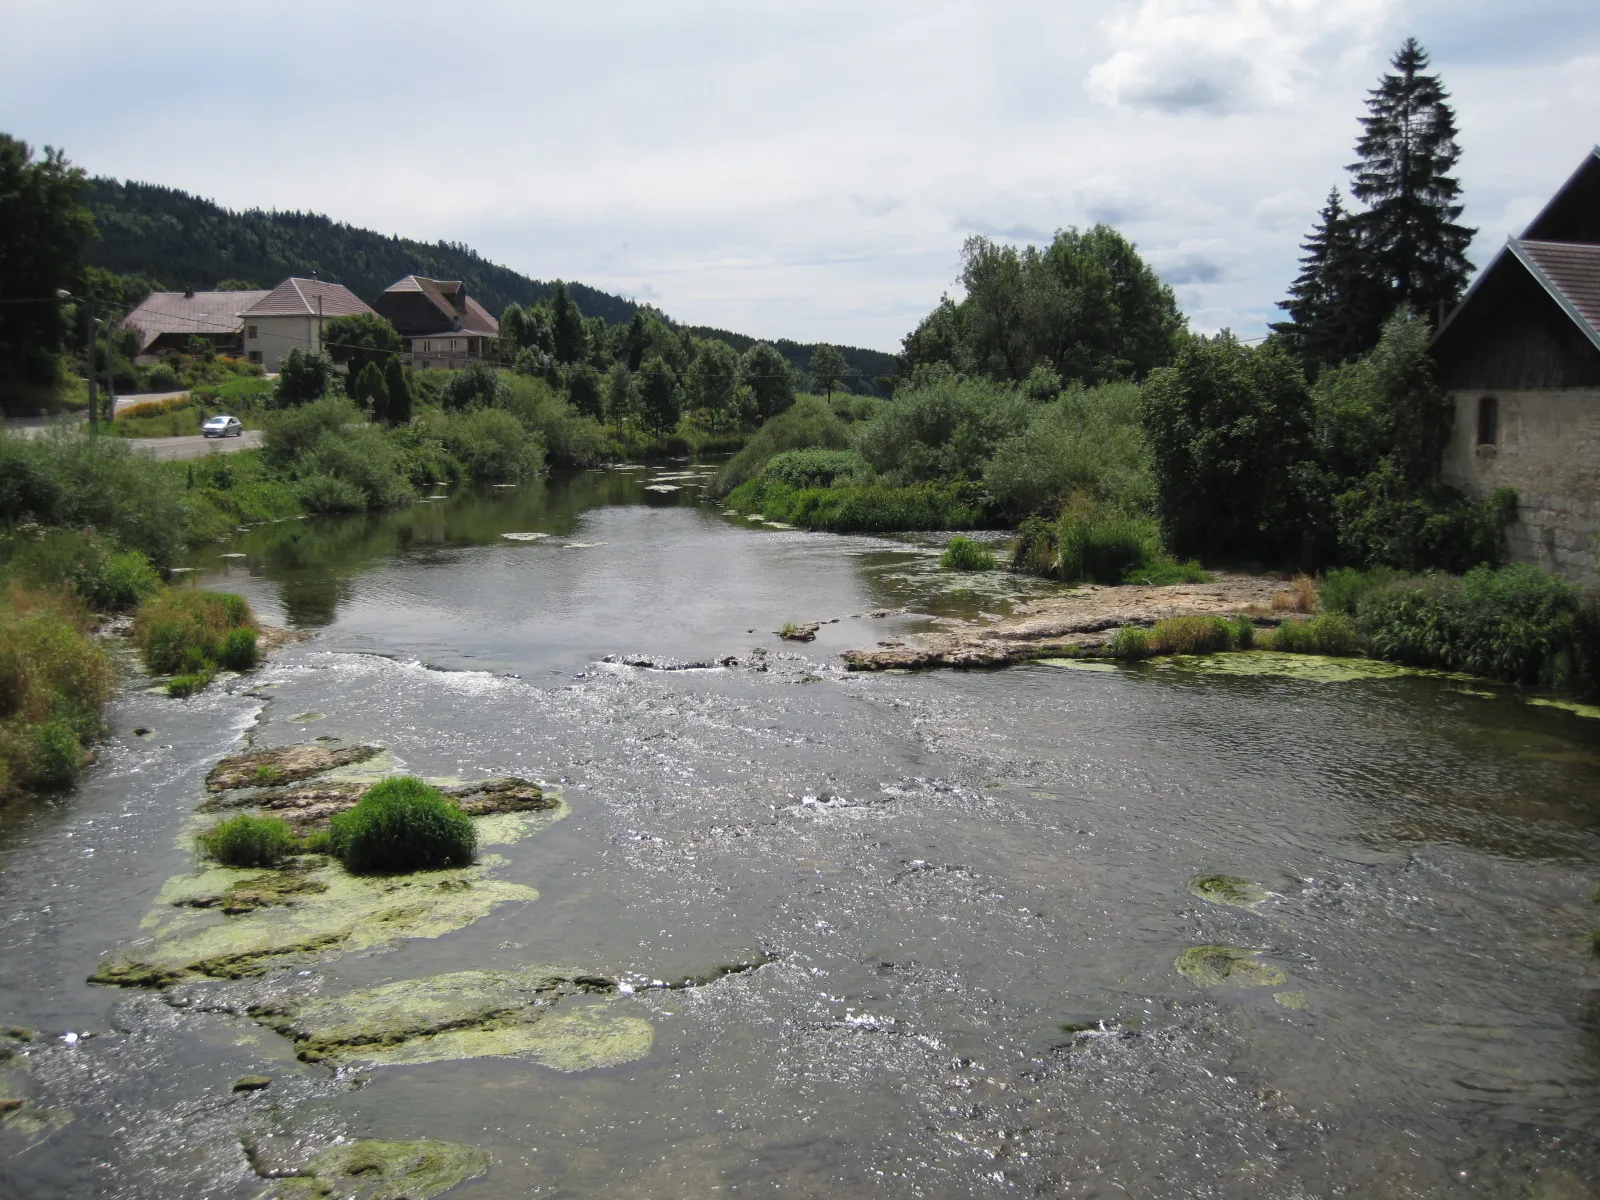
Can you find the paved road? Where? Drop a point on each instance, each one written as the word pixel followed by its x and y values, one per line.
pixel 172 448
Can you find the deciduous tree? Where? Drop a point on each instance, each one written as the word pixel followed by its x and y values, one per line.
pixel 827 368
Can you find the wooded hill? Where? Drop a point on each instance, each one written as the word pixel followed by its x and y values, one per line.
pixel 181 241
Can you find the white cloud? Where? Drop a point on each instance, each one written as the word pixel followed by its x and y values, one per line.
pixel 1225 56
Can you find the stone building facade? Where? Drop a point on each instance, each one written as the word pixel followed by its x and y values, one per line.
pixel 1521 357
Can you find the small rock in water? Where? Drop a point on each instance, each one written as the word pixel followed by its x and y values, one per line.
pixel 524 537
pixel 141 731
pixel 252 1083
pixel 10 1104
pixel 799 633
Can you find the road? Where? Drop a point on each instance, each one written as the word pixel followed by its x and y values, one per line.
pixel 171 449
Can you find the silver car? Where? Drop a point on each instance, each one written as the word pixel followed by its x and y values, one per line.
pixel 222 426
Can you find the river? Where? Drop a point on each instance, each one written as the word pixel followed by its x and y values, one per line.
pixel 915 935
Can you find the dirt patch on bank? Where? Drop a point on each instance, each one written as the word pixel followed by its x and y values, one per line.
pixel 1085 618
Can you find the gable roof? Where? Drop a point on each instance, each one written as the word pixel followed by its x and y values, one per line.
pixel 1570 272
pixel 296 297
pixel 189 313
pixel 457 311
pixel 1573 213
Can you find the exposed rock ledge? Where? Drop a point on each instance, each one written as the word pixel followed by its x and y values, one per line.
pixel 1083 618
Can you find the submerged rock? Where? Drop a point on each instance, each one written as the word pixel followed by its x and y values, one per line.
pixel 1228 889
pixel 307 806
pixel 374 1170
pixel 1217 966
pixel 283 764
pixel 29 1126
pixel 469 1014
pixel 1294 1000
pixel 252 1083
pixel 1313 668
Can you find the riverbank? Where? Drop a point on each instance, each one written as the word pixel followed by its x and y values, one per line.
pixel 1086 617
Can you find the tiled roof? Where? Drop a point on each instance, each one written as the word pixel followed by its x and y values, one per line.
pixel 458 311
pixel 1570 271
pixel 180 312
pixel 298 298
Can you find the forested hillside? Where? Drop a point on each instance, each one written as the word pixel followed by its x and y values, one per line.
pixel 176 240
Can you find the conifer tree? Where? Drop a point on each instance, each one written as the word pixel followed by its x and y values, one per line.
pixel 659 398
pixel 1330 300
pixel 398 389
pixel 1409 236
pixel 567 327
pixel 369 387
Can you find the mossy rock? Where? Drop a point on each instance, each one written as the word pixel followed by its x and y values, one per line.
pixel 30 1126
pixel 1311 668
pixel 283 764
pixel 470 1014
pixel 1292 1000
pixel 1588 711
pixel 252 1083
pixel 1227 966
pixel 1228 889
pixel 375 1170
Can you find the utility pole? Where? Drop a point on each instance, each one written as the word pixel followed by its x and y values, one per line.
pixel 88 349
pixel 319 323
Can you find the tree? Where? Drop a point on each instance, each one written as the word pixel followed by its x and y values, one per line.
pixel 660 400
pixel 43 230
pixel 477 385
pixel 827 368
pixel 303 376
pixel 566 327
pixel 1409 235
pixel 712 378
pixel 766 373
pixel 1229 429
pixel 397 386
pixel 359 340
pixel 1331 301
pixel 368 388
pixel 638 341
pixel 622 393
pixel 583 389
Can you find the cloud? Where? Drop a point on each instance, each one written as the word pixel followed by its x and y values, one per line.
pixel 1217 57
pixel 1208 261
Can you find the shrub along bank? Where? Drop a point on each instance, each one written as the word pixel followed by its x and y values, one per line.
pixel 190 635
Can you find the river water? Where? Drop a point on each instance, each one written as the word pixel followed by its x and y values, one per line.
pixel 962 896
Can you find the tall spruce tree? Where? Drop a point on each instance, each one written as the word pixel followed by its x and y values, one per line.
pixel 397 387
pixel 567 327
pixel 1330 301
pixel 1410 240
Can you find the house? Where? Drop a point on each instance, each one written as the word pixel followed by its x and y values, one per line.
pixel 1521 357
pixel 170 321
pixel 442 326
pixel 293 314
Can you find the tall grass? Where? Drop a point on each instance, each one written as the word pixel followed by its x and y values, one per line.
pixel 187 631
pixel 248 841
pixel 399 825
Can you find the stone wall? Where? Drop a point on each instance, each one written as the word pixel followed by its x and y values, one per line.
pixel 1548 449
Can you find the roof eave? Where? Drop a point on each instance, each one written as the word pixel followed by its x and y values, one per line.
pixel 1567 306
pixel 1562 190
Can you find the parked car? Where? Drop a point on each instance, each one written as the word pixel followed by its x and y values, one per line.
pixel 222 426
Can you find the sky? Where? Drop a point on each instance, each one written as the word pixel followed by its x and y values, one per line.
pixel 802 170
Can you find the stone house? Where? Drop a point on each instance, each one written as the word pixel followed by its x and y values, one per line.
pixel 293 314
pixel 443 327
pixel 1521 357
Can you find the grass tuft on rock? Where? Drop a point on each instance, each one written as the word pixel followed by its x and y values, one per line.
pixel 248 841
pixel 964 554
pixel 191 634
pixel 1330 633
pixel 400 825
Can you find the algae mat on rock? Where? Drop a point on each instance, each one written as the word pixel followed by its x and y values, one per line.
pixel 470 1014
pixel 374 1170
pixel 1228 889
pixel 1218 966
pixel 1312 668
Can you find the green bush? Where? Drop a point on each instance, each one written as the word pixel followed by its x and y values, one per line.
pixel 964 554
pixel 1332 633
pixel 106 580
pixel 1130 642
pixel 54 756
pixel 1091 541
pixel 248 841
pixel 294 431
pixel 1164 572
pixel 185 630
pixel 1518 624
pixel 1345 587
pixel 401 825
pixel 870 509
pixel 808 423
pixel 181 687
pixel 1192 635
pixel 491 444
pixel 1244 633
pixel 238 651
pixel 324 495
pixel 366 458
pixel 817 467
pixel 942 431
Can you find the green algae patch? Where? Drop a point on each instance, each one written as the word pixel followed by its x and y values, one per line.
pixel 470 1014
pixel 1077 664
pixel 325 912
pixel 374 1170
pixel 1313 668
pixel 1227 966
pixel 1294 1000
pixel 1591 711
pixel 25 1126
pixel 1228 889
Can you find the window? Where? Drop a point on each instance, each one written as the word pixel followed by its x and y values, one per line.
pixel 255 356
pixel 425 363
pixel 253 332
pixel 1488 421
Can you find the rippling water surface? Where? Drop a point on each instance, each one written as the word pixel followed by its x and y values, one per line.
pixel 968 890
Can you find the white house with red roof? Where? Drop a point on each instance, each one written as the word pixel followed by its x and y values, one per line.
pixel 293 314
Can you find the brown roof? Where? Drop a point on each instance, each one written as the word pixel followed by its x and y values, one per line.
pixel 298 297
pixel 1570 272
pixel 458 312
pixel 183 312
